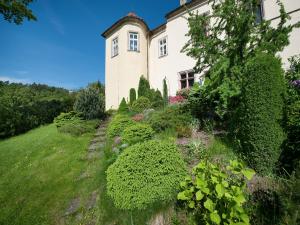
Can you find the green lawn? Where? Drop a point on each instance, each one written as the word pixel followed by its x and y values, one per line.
pixel 39 174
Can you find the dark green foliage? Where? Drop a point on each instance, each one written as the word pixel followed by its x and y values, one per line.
pixel 144 87
pixel 99 86
pixel 141 104
pixel 78 127
pixel 169 118
pixel 118 124
pixel 137 133
pixel 165 92
pixel 225 55
pixel 291 154
pixel 65 118
pixel 90 103
pixel 155 99
pixel 261 112
pixel 216 196
pixel 144 174
pixel 183 131
pixel 123 107
pixel 24 107
pixel 16 10
pixel 132 95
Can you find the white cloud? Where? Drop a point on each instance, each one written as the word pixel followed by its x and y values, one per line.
pixel 15 80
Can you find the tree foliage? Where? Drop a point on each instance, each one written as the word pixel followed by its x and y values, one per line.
pixel 23 107
pixel 144 174
pixel 137 133
pixel 90 103
pixel 144 87
pixel 165 92
pixel 16 10
pixel 132 95
pixel 123 107
pixel 223 41
pixel 261 112
pixel 141 104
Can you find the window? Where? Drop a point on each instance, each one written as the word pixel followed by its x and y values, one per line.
pixel 115 47
pixel 133 41
pixel 162 44
pixel 187 79
pixel 259 12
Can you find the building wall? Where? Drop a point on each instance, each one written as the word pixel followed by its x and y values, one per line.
pixel 176 61
pixel 123 71
pixel 271 11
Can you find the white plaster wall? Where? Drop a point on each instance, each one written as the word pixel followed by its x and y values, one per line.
pixel 271 11
pixel 123 71
pixel 175 62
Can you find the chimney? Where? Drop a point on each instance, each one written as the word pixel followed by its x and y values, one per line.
pixel 183 2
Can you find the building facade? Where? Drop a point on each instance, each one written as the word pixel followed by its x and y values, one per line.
pixel 133 50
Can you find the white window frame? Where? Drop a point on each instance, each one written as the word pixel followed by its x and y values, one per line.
pixel 136 48
pixel 161 51
pixel 187 78
pixel 115 46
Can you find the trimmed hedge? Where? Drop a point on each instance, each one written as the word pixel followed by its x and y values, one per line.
pixel 65 118
pixel 261 112
pixel 144 174
pixel 141 104
pixel 118 124
pixel 137 133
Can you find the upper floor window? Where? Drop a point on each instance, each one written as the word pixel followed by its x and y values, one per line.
pixel 163 47
pixel 115 47
pixel 133 41
pixel 187 79
pixel 259 11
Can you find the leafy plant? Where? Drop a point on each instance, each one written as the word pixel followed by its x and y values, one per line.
pixel 132 95
pixel 261 112
pixel 144 174
pixel 183 131
pixel 118 124
pixel 217 196
pixel 141 104
pixel 91 103
pixel 137 133
pixel 65 118
pixel 165 92
pixel 123 107
pixel 144 87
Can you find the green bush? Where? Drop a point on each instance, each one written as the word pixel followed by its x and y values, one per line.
pixel 216 196
pixel 79 127
pixel 118 124
pixel 123 107
pixel 65 118
pixel 261 112
pixel 144 87
pixel 169 118
pixel 144 174
pixel 141 104
pixel 183 131
pixel 137 133
pixel 90 102
pixel 132 95
pixel 156 99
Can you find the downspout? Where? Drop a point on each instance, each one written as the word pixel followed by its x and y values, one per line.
pixel 148 43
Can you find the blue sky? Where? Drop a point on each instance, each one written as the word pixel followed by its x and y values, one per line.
pixel 64 47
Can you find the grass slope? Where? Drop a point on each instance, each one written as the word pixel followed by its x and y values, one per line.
pixel 39 174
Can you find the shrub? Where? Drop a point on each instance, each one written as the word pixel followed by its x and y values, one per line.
pixel 144 174
pixel 176 99
pixel 261 111
pixel 144 87
pixel 118 124
pixel 165 92
pixel 65 118
pixel 123 107
pixel 137 133
pixel 183 131
pixel 78 127
pixel 90 102
pixel 216 196
pixel 141 104
pixel 132 95
pixel 169 118
pixel 155 99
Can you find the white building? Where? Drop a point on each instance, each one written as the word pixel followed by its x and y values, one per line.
pixel 132 49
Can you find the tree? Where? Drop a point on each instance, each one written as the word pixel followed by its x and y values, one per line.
pixel 261 112
pixel 16 10
pixel 144 87
pixel 123 107
pixel 165 92
pixel 132 95
pixel 90 103
pixel 225 40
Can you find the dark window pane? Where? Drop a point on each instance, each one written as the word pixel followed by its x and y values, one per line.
pixel 183 76
pixel 183 84
pixel 191 82
pixel 258 13
pixel 191 74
